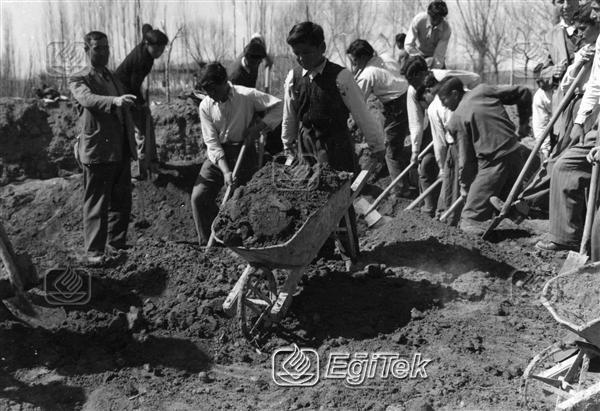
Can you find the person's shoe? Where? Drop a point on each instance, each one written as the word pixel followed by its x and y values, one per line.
pixel 472 228
pixel 517 212
pixel 552 246
pixel 94 260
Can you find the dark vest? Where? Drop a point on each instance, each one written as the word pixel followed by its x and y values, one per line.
pixel 323 117
pixel 241 77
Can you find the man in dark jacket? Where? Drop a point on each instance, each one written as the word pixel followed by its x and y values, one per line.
pixel 490 156
pixel 105 146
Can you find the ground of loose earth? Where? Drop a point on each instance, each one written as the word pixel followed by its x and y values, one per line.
pixel 436 291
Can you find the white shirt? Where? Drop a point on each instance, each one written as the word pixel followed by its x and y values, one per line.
pixel 592 90
pixel 416 112
pixel 438 116
pixel 352 98
pixel 540 116
pixel 226 122
pixel 375 79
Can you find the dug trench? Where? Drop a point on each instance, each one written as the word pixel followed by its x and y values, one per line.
pixel 154 336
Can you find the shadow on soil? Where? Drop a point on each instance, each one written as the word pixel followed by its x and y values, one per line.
pixel 432 256
pixel 359 307
pixel 52 396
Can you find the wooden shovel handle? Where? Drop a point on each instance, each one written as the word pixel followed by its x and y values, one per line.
pixel 238 163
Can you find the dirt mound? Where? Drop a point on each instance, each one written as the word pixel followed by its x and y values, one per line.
pixel 178 132
pixel 275 203
pixel 36 140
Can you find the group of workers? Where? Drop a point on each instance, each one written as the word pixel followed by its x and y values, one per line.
pixel 459 130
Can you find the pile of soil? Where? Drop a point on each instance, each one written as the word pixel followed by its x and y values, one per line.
pixel 275 203
pixel 178 131
pixel 36 140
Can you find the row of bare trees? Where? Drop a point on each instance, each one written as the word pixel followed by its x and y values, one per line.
pixel 490 33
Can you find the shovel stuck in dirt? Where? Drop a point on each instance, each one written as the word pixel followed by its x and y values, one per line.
pixel 362 206
pixel 575 260
pixel 13 293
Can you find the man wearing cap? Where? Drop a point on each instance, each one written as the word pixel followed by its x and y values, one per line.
pixel 228 119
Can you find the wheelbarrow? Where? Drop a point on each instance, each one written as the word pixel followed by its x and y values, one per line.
pixel 573 300
pixel 256 298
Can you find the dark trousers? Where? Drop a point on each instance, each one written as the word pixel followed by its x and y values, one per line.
pixel 209 183
pixel 338 151
pixel 450 191
pixel 396 129
pixel 494 178
pixel 428 174
pixel 568 186
pixel 537 193
pixel 106 205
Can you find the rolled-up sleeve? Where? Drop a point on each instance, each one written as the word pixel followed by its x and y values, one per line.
pixel 437 113
pixel 210 135
pixel 355 102
pixel 416 119
pixel 439 55
pixel 289 124
pixel 592 90
pixel 271 105
pixel 410 42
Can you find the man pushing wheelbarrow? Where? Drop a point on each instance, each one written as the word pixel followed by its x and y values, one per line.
pixel 319 96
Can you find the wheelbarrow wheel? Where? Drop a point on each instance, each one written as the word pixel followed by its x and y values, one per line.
pixel 258 294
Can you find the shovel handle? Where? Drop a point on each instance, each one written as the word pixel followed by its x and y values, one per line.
pixel 397 180
pixel 424 194
pixel 452 208
pixel 238 163
pixel 517 185
pixel 591 204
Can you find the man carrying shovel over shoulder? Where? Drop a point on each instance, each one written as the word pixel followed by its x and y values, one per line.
pixel 226 116
pixel 318 98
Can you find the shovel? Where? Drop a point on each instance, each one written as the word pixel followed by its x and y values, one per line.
pixel 459 201
pixel 424 194
pixel 228 192
pixel 397 180
pixel 20 306
pixel 517 185
pixel 575 260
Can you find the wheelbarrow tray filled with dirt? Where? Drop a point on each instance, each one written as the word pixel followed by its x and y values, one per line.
pixel 306 242
pixel 573 299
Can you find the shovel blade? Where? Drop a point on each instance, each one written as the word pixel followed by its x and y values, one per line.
pixel 34 315
pixel 361 206
pixel 574 260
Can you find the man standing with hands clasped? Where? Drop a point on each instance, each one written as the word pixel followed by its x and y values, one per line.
pixel 105 147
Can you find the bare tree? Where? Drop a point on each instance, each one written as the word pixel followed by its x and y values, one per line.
pixel 178 33
pixel 478 18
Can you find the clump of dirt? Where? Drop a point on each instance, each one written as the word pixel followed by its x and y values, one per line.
pixel 178 132
pixel 275 203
